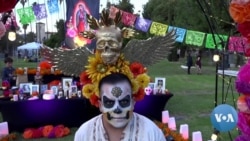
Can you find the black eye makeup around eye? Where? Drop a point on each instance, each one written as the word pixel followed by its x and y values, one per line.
pixel 125 102
pixel 108 103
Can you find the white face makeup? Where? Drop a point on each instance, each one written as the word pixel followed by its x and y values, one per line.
pixel 116 103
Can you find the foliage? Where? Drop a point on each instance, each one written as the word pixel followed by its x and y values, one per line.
pixel 56 39
pixel 30 37
pixel 125 5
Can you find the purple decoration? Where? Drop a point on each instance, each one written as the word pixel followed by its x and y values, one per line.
pixel 242 83
pixel 40 11
pixel 142 24
pixel 248 102
pixel 242 123
pixel 242 138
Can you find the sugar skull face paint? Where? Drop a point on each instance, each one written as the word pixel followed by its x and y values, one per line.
pixel 116 103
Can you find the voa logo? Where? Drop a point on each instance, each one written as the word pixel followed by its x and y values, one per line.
pixel 224 117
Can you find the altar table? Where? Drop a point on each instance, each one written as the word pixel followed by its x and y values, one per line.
pixel 69 112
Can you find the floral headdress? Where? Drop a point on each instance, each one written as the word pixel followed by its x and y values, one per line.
pixel 97 68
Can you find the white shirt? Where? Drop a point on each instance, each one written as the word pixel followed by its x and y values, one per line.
pixel 139 128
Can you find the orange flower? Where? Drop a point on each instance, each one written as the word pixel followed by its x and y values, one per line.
pixel 94 100
pixel 84 78
pixel 59 131
pixel 239 13
pixel 139 95
pixel 47 129
pixel 20 71
pixel 66 131
pixel 57 72
pixel 137 68
pixel 32 71
pixel 45 65
pixel 28 133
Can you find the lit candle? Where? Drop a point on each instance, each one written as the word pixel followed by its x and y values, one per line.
pixel 184 131
pixel 171 123
pixel 165 117
pixel 196 136
pixel 38 69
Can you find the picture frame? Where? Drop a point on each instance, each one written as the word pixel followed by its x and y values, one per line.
pixel 54 88
pixel 159 85
pixel 73 89
pixel 151 85
pixel 26 87
pixel 43 88
pixel 66 83
pixel 34 88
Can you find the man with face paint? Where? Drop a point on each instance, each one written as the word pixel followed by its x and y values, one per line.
pixel 118 122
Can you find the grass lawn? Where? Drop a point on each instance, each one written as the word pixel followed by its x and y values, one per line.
pixel 193 99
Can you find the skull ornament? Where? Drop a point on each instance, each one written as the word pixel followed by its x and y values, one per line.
pixel 148 90
pixel 109 43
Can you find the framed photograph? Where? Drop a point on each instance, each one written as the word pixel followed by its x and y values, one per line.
pixel 66 83
pixel 159 85
pixel 151 85
pixel 74 89
pixel 54 89
pixel 43 87
pixel 34 88
pixel 26 87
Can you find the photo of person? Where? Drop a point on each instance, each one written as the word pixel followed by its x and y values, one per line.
pixel 43 88
pixel 67 83
pixel 151 85
pixel 74 89
pixel 159 87
pixel 54 89
pixel 26 87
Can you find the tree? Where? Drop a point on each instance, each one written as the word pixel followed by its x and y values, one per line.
pixel 125 5
pixel 30 37
pixel 56 39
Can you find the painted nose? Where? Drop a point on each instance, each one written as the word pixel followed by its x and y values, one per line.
pixel 117 110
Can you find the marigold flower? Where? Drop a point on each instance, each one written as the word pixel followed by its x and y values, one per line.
pixel 88 90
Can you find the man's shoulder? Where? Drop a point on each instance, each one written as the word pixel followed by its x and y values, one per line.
pixel 147 122
pixel 85 129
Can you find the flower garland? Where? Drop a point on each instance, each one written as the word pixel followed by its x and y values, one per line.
pixel 168 132
pixel 243 102
pixel 32 71
pixel 48 131
pixel 96 70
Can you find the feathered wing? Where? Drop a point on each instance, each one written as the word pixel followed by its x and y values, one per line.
pixel 150 51
pixel 70 61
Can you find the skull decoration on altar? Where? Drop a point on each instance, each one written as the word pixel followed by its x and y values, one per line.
pixel 109 43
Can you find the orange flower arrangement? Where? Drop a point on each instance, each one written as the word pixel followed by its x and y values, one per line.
pixel 20 71
pixel 168 132
pixel 96 70
pixel 45 65
pixel 240 13
pixel 48 131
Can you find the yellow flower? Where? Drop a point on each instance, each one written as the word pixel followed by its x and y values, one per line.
pixel 135 86
pixel 88 90
pixel 96 68
pixel 143 80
